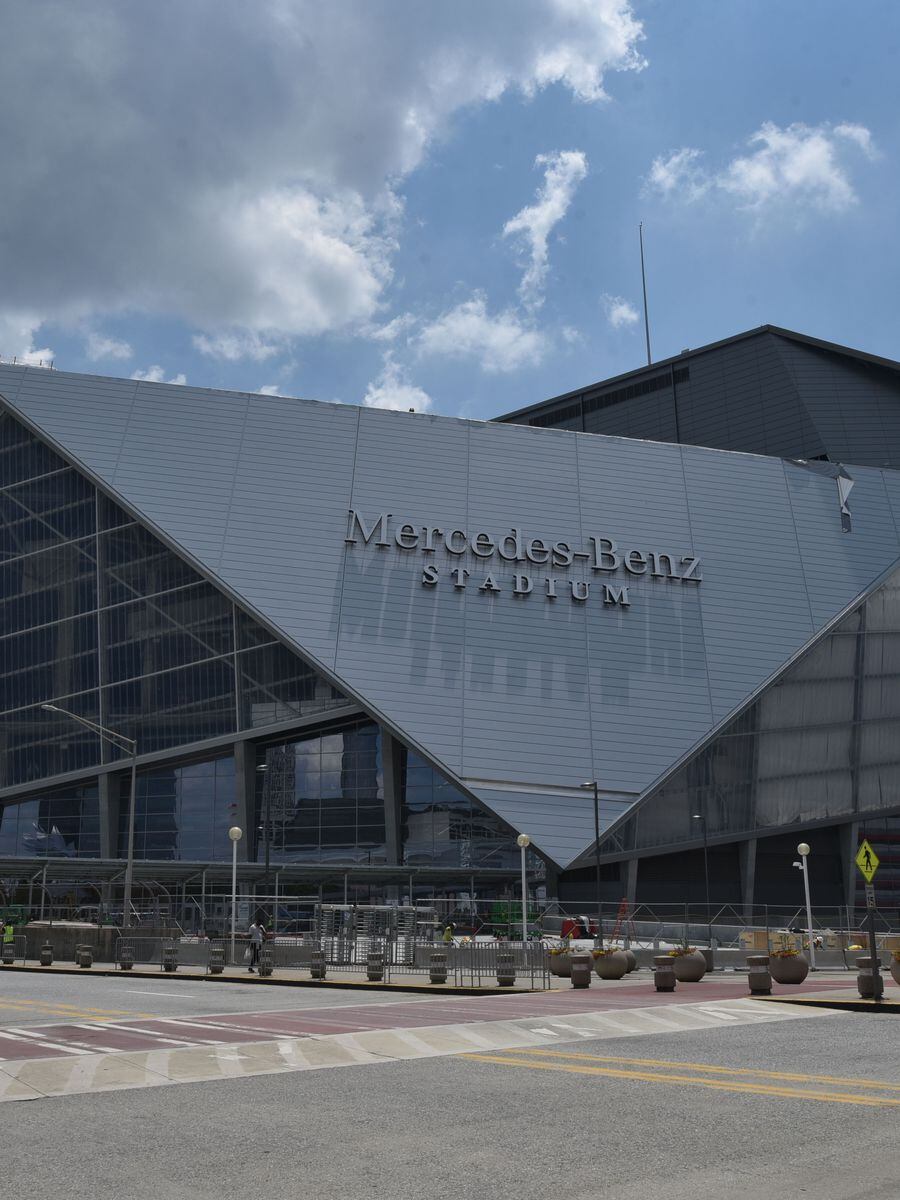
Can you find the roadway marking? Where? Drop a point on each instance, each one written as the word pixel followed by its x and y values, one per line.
pixel 253 1051
pixel 178 995
pixel 660 1072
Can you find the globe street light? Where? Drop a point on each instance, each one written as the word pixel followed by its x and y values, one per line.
pixel 523 841
pixel 803 851
pixel 592 784
pixel 120 741
pixel 235 833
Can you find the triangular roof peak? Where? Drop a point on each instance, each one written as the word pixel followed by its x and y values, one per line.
pixel 686 355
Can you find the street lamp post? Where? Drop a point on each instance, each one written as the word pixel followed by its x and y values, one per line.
pixel 523 841
pixel 700 817
pixel 120 741
pixel 803 851
pixel 235 833
pixel 592 784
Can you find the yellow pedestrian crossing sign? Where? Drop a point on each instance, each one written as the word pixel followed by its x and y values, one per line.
pixel 867 861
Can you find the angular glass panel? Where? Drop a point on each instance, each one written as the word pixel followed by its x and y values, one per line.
pixel 167 631
pixel 44 512
pixel 22 455
pixel 276 685
pixel 251 633
pixel 62 822
pixel 49 586
pixel 174 707
pixel 54 660
pixel 35 743
pixel 183 811
pixel 136 564
pixel 440 826
pixel 320 799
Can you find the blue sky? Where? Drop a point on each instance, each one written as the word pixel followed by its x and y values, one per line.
pixel 426 205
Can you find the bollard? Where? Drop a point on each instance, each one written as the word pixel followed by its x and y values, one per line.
pixel 126 958
pixel 506 968
pixel 317 966
pixel 216 959
pixel 582 969
pixel 45 957
pixel 664 973
pixel 871 986
pixel 170 958
pixel 758 976
pixel 85 956
pixel 375 966
pixel 266 966
pixel 9 954
pixel 437 967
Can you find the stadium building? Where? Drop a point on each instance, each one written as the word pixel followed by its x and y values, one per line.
pixel 384 644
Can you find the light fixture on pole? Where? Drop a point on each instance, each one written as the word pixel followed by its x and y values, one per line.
pixel 700 817
pixel 592 784
pixel 803 851
pixel 235 833
pixel 523 841
pixel 120 741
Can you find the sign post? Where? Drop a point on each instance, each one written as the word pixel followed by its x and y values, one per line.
pixel 868 862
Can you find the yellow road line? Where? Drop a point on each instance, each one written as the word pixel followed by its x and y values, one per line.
pixel 690 1080
pixel 714 1070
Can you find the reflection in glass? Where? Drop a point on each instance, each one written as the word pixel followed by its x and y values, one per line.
pixel 183 812
pixel 320 798
pixel 440 826
pixel 62 822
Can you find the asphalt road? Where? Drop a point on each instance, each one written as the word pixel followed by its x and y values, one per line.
pixel 672 1115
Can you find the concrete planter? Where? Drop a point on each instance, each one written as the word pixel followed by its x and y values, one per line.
pixel 792 968
pixel 561 965
pixel 611 966
pixel 895 970
pixel 632 960
pixel 689 968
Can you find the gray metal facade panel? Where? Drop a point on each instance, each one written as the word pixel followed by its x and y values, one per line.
pixel 839 566
pixel 555 823
pixel 525 691
pixel 755 610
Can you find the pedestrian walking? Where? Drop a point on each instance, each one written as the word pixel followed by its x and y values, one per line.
pixel 256 937
pixel 448 933
pixel 9 932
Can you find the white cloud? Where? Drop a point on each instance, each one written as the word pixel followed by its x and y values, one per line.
pixel 564 170
pixel 499 343
pixel 156 374
pixel 680 176
pixel 17 334
pixel 271 389
pixel 392 330
pixel 620 312
pixel 800 165
pixel 99 346
pixel 271 212
pixel 392 389
pixel 234 346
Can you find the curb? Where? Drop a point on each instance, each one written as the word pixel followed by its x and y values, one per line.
pixel 850 1005
pixel 430 989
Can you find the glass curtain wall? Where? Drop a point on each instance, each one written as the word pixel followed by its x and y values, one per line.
pixel 100 618
pixel 321 798
pixel 442 827
pixel 822 742
pixel 62 822
pixel 183 812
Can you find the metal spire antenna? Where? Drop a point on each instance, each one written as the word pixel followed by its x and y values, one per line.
pixel 644 286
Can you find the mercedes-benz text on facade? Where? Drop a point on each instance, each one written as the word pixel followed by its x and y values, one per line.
pixel 521 564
